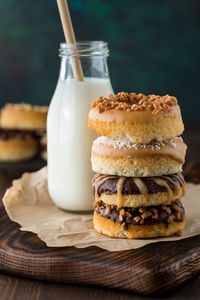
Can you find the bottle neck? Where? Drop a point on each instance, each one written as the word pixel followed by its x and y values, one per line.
pixel 93 58
pixel 95 68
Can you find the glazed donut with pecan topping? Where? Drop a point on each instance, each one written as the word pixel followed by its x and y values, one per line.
pixel 136 117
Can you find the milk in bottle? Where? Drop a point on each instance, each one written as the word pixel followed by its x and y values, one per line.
pixel 68 136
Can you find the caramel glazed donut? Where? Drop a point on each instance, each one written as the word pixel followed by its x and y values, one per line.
pixel 128 159
pixel 17 145
pixel 136 118
pixel 43 147
pixel 23 116
pixel 21 126
pixel 128 207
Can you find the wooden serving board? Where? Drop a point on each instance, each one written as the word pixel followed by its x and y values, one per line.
pixel 154 269
pixel 157 268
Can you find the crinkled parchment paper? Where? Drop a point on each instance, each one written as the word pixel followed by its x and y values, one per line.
pixel 28 203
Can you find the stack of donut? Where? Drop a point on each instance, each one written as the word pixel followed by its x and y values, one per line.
pixel 22 132
pixel 138 163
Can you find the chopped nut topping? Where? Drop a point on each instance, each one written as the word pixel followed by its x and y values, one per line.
pixel 166 209
pixel 142 210
pixel 97 203
pixel 146 215
pixel 141 215
pixel 107 210
pixel 170 220
pixel 137 219
pixel 155 213
pixel 178 215
pixel 175 208
pixel 134 102
pixel 128 214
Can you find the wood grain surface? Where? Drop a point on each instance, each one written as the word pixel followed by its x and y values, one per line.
pixel 17 288
pixel 154 269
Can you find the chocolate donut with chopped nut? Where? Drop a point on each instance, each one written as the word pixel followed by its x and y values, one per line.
pixel 137 227
pixel 129 207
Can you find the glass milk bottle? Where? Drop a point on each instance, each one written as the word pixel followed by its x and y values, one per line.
pixel 68 136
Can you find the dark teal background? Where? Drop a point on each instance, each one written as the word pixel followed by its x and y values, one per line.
pixel 154 47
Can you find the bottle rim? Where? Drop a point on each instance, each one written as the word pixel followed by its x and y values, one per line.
pixel 84 49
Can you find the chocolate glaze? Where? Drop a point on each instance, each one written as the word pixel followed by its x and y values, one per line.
pixel 130 188
pixel 6 134
pixel 39 133
pixel 43 147
pixel 162 214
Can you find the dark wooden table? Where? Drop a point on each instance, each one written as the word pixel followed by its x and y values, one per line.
pixel 13 288
pixel 21 288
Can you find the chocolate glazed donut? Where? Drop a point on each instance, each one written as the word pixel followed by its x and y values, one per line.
pixel 137 192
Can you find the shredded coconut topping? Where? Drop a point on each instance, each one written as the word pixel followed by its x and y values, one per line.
pixel 154 145
pixel 134 102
